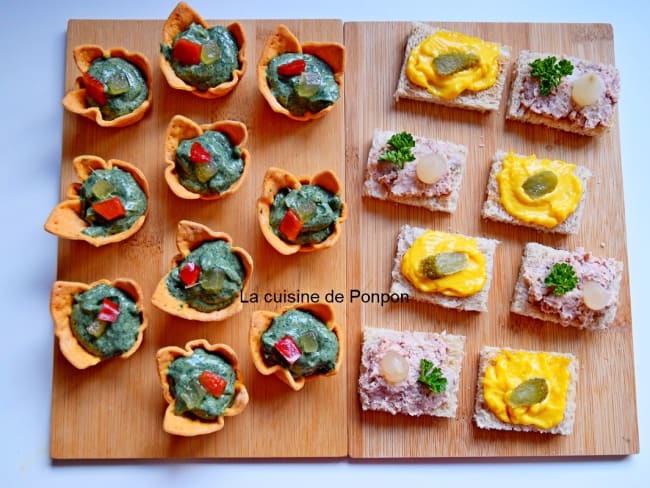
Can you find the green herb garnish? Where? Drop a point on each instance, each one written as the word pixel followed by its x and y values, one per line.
pixel 400 151
pixel 562 278
pixel 432 376
pixel 550 72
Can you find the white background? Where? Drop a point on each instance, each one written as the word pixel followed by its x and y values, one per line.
pixel 32 53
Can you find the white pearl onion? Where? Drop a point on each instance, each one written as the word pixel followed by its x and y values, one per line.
pixel 595 296
pixel 587 89
pixel 394 367
pixel 430 168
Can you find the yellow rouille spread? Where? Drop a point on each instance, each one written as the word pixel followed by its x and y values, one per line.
pixel 548 210
pixel 461 284
pixel 481 76
pixel 511 368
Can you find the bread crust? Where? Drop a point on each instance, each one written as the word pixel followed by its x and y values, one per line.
pixel 482 101
pixel 485 419
pixel 520 304
pixel 477 302
pixel 493 210
pixel 444 203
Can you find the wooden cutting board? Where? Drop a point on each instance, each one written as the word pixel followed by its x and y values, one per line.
pixel 114 410
pixel 606 422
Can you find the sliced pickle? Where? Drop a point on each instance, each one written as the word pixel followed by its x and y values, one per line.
pixel 102 189
pixel 117 83
pixel 540 184
pixel 305 208
pixel 308 84
pixel 212 279
pixel 205 171
pixel 191 393
pixel 97 328
pixel 451 63
pixel 529 392
pixel 210 52
pixel 443 264
pixel 308 342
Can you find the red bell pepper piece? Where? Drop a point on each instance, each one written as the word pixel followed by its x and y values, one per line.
pixel 290 225
pixel 189 273
pixel 110 209
pixel 94 88
pixel 110 311
pixel 198 153
pixel 187 52
pixel 288 348
pixel 213 383
pixel 292 68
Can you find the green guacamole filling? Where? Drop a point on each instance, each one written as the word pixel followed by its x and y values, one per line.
pixel 317 208
pixel 125 86
pixel 103 184
pixel 99 337
pixel 310 91
pixel 222 46
pixel 220 281
pixel 212 177
pixel 318 344
pixel 191 397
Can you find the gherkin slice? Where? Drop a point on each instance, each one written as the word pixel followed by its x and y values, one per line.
pixel 102 189
pixel 212 279
pixel 540 184
pixel 529 392
pixel 210 52
pixel 443 264
pixel 117 83
pixel 308 342
pixel 205 171
pixel 451 63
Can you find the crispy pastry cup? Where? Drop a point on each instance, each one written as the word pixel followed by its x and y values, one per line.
pixel 61 302
pixel 75 100
pixel 284 41
pixel 261 320
pixel 189 236
pixel 189 426
pixel 275 180
pixel 180 20
pixel 65 220
pixel 181 128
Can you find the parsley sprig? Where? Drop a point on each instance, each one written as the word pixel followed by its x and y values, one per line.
pixel 400 149
pixel 562 278
pixel 432 376
pixel 550 72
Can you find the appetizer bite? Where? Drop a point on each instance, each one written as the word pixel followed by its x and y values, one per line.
pixel 410 373
pixel 205 161
pixel 449 270
pixel 297 344
pixel 97 321
pixel 206 61
pixel 564 92
pixel 115 89
pixel 207 277
pixel 414 170
pixel 109 205
pixel 572 288
pixel 526 391
pixel 202 385
pixel 301 81
pixel 452 69
pixel 300 214
pixel 544 194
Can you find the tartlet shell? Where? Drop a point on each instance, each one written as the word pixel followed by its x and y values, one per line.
pixel 61 302
pixel 181 128
pixel 65 219
pixel 178 21
pixel 261 320
pixel 75 100
pixel 190 235
pixel 187 426
pixel 284 41
pixel 275 180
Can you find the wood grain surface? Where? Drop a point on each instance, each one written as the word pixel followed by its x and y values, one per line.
pixel 606 422
pixel 114 410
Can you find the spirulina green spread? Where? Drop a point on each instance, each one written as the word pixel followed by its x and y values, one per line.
pixel 309 91
pixel 191 397
pixel 220 280
pixel 318 344
pixel 218 174
pixel 101 338
pixel 125 86
pixel 219 56
pixel 317 208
